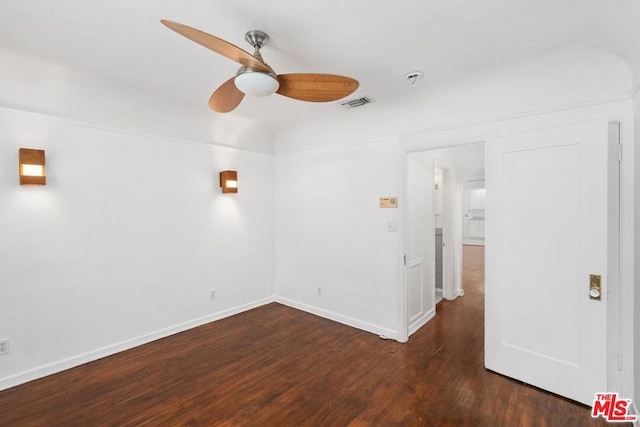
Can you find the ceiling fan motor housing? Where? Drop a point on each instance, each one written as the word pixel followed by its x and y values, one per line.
pixel 256 38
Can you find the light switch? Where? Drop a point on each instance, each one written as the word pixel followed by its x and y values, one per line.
pixel 392 227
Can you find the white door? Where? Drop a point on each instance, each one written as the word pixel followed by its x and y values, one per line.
pixel 546 234
pixel 419 269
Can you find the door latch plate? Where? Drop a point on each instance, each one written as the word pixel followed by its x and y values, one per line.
pixel 595 287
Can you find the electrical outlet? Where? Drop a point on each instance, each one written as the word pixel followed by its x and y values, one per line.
pixel 4 346
pixel 319 291
pixel 212 294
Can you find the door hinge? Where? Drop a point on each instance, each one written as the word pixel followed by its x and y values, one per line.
pixel 619 153
pixel 619 361
pixel 405 259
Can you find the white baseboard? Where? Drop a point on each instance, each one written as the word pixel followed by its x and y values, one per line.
pixel 358 324
pixel 71 362
pixel 421 321
pixel 456 294
pixel 473 242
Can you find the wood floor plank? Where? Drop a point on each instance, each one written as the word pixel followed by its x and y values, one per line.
pixel 277 366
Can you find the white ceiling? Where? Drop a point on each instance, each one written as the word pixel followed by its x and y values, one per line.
pixel 375 41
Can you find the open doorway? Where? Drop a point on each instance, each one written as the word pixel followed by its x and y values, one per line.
pixel 473 195
pixel 541 182
pixel 444 193
pixel 435 217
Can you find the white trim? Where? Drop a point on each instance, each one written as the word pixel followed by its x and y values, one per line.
pixel 458 293
pixel 415 262
pixel 473 242
pixel 614 264
pixel 435 130
pixel 90 356
pixel 449 232
pixel 354 323
pixel 634 411
pixel 422 321
pixel 509 117
pixel 626 246
pixel 628 274
pixel 403 249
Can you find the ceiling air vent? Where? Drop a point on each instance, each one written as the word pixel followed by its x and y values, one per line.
pixel 355 103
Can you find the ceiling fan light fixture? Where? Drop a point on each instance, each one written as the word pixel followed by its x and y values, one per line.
pixel 257 78
pixel 256 83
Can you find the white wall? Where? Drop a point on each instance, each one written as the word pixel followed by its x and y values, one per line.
pixel 40 85
pixel 315 158
pixel 330 232
pixel 124 242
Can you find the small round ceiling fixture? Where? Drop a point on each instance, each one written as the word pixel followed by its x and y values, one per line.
pixel 413 77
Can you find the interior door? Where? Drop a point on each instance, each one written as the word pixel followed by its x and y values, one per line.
pixel 419 267
pixel 546 234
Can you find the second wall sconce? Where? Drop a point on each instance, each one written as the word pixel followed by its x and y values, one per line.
pixel 229 181
pixel 31 167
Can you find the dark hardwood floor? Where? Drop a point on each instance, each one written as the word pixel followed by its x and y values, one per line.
pixel 276 366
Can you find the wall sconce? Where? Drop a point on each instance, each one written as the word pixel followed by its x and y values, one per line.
pixel 229 181
pixel 31 167
pixel 435 182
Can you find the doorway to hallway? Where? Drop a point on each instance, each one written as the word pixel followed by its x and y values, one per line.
pixel 436 182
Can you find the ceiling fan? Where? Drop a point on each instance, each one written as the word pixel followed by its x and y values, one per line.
pixel 257 78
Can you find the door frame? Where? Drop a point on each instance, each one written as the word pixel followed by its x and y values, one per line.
pixel 448 267
pixel 456 270
pixel 420 254
pixel 626 248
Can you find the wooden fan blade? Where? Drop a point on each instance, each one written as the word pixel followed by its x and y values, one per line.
pixel 217 45
pixel 226 97
pixel 316 87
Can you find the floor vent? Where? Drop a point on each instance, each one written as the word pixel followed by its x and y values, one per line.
pixel 355 103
